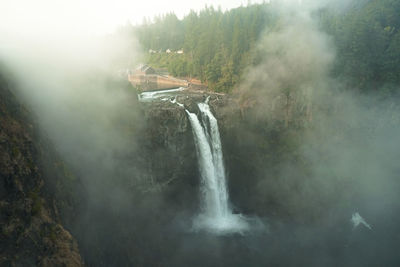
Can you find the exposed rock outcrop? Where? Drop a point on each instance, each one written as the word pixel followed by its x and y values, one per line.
pixel 31 232
pixel 169 151
pixel 169 148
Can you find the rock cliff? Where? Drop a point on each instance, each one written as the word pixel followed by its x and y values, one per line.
pixel 31 229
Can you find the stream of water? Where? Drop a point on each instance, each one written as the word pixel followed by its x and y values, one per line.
pixel 216 216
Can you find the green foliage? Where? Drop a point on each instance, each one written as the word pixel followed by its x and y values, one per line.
pixel 36 202
pixel 216 44
pixel 367 38
pixel 49 230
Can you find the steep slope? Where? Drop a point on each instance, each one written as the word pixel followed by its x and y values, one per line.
pixel 31 230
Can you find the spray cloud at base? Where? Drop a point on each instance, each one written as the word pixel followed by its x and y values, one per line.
pixel 216 214
pixel 337 145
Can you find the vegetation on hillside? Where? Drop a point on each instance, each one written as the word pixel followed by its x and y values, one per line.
pixel 218 46
pixel 367 39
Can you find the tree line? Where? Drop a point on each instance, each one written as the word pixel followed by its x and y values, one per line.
pixel 367 39
pixel 218 46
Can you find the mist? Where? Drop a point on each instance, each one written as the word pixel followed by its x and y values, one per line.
pixel 74 84
pixel 339 146
pixel 346 135
pixel 70 81
pixel 305 155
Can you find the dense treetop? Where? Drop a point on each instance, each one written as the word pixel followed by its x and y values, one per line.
pixel 218 46
pixel 367 40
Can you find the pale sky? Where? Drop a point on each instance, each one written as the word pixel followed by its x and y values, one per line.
pixel 92 16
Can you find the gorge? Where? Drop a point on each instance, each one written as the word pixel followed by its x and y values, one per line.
pixel 176 207
pixel 282 148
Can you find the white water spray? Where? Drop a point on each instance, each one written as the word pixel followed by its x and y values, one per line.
pixel 356 219
pixel 151 95
pixel 216 215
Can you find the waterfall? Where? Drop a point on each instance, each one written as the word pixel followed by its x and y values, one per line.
pixel 216 215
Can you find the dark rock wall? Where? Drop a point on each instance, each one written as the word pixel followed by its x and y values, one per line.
pixel 39 193
pixel 169 151
pixel 31 233
pixel 253 146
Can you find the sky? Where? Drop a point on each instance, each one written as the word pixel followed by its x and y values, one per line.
pixel 92 16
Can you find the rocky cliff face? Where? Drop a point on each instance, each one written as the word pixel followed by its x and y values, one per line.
pixel 169 145
pixel 256 141
pixel 31 232
pixel 147 190
pixel 169 151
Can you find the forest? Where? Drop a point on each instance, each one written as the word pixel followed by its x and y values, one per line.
pixel 220 46
pixel 287 154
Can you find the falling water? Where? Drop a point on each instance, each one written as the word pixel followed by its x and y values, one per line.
pixel 216 215
pixel 151 95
